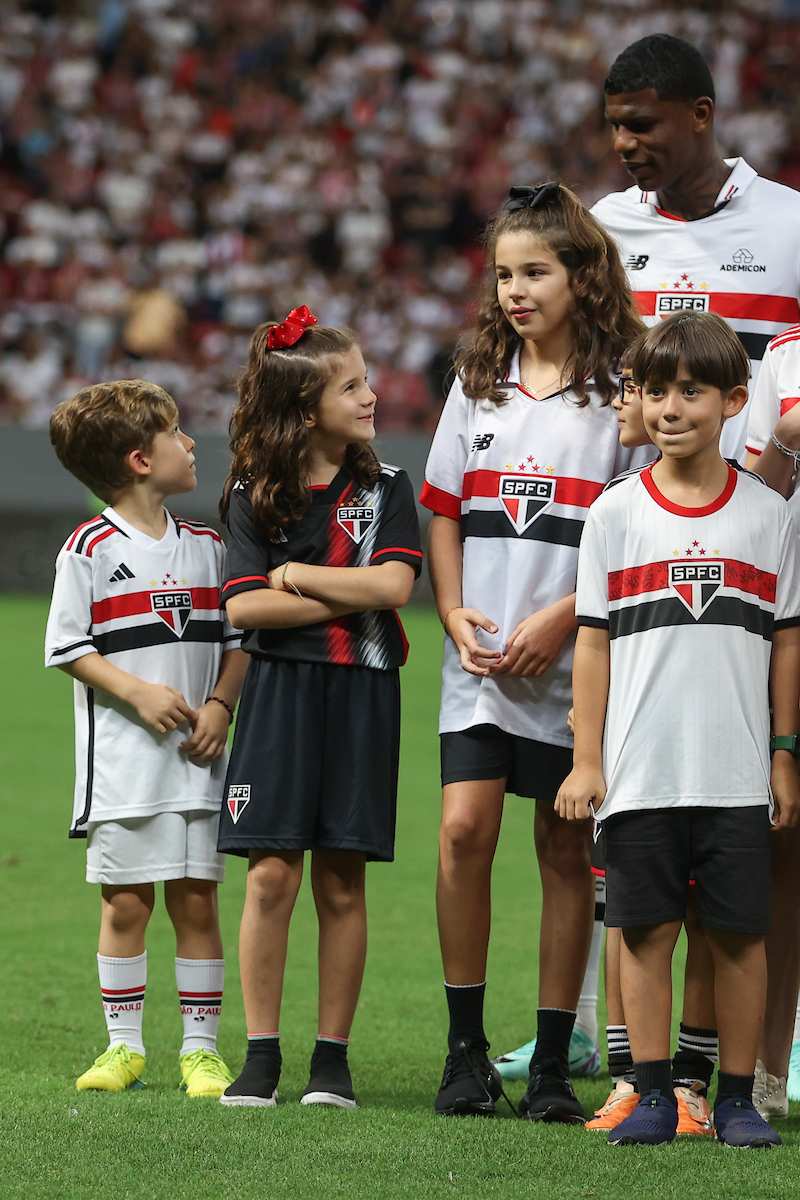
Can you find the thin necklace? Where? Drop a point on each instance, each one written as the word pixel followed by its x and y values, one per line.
pixel 535 391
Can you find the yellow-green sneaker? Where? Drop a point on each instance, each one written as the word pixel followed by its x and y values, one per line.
pixel 203 1073
pixel 115 1070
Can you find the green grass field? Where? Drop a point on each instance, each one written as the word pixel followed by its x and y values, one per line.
pixel 156 1144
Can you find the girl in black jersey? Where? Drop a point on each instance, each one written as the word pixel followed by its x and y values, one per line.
pixel 323 546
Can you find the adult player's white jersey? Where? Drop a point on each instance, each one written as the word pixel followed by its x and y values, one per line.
pixel 777 390
pixel 151 608
pixel 520 478
pixel 690 598
pixel 742 262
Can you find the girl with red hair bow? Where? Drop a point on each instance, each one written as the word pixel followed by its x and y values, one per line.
pixel 323 546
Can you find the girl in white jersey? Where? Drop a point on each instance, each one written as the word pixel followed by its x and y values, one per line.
pixel 526 442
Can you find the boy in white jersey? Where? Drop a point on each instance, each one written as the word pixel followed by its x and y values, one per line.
pixel 135 620
pixel 688 573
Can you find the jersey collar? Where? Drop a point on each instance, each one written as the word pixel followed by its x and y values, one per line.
pixel 735 185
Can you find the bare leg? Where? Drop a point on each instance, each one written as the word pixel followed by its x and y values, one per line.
pixel 192 908
pixel 646 978
pixel 337 880
pixel 124 915
pixel 614 1010
pixel 698 991
pixel 740 971
pixel 563 849
pixel 273 882
pixel 471 815
pixel 783 952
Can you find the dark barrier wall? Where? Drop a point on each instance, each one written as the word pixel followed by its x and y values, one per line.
pixel 40 502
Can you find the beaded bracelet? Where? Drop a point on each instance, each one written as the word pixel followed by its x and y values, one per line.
pixel 794 454
pixel 224 704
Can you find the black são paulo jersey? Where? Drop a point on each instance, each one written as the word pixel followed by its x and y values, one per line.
pixel 346 526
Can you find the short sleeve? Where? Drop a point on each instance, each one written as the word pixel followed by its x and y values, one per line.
pixel 787 590
pixel 231 637
pixel 248 560
pixel 69 622
pixel 447 460
pixel 591 598
pixel 398 537
pixel 765 407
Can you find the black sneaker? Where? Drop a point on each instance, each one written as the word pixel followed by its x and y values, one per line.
pixel 330 1083
pixel 549 1096
pixel 256 1087
pixel 470 1084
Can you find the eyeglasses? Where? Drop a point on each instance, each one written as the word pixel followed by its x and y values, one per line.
pixel 627 389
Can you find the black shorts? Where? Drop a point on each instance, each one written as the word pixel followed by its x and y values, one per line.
pixel 532 769
pixel 651 854
pixel 314 760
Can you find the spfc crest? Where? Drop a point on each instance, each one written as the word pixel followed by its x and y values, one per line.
pixel 174 608
pixel 696 583
pixel 524 497
pixel 355 521
pixel 238 799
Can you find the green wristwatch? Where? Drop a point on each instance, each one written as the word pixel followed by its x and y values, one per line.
pixel 785 742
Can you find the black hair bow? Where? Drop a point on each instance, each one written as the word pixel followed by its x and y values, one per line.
pixel 531 197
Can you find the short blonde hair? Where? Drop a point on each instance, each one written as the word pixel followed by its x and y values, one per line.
pixel 95 431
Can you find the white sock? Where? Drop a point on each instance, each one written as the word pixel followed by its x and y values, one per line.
pixel 122 985
pixel 796 1035
pixel 200 982
pixel 586 1019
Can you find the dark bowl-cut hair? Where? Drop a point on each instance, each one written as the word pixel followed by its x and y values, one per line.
pixel 674 67
pixel 704 344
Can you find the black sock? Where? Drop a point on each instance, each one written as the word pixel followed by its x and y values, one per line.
pixel 466 1013
pixel 553 1030
pixel 655 1076
pixel 328 1050
pixel 695 1057
pixel 263 1060
pixel 733 1085
pixel 620 1059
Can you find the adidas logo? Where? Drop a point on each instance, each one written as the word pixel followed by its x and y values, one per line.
pixel 122 572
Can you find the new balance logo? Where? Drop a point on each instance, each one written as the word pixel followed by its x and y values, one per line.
pixel 483 441
pixel 122 572
pixel 636 262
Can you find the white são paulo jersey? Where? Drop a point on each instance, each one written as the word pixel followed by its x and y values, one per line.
pixel 690 598
pixel 741 261
pixel 151 608
pixel 520 478
pixel 776 391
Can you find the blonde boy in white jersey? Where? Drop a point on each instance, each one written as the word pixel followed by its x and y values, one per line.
pixel 135 619
pixel 687 573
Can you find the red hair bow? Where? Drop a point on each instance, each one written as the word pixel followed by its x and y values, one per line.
pixel 292 329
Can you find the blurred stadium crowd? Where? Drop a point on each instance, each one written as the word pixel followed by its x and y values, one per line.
pixel 173 172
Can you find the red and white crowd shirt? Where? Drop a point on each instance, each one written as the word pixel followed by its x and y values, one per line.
pixel 690 598
pixel 152 609
pixel 777 390
pixel 741 261
pixel 520 478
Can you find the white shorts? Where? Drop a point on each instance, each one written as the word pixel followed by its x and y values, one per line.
pixel 168 845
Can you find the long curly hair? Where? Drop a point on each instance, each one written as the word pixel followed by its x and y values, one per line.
pixel 604 319
pixel 270 440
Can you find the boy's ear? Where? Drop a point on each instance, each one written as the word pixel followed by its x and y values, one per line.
pixel 138 462
pixel 735 401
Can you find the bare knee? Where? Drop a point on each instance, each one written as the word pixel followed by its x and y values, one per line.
pixel 126 912
pixel 563 848
pixel 464 837
pixel 192 904
pixel 274 880
pixel 339 887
